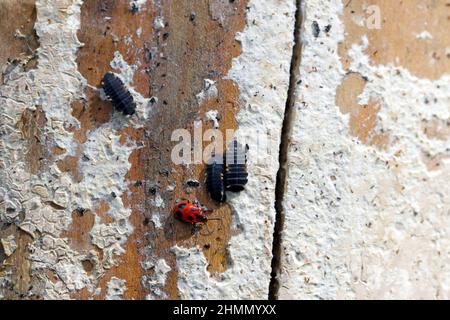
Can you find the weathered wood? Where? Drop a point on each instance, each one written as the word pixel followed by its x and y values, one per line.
pixel 175 50
pixel 18 36
pixel 411 34
pixel 172 62
pixel 17 50
pixel 86 193
pixel 368 161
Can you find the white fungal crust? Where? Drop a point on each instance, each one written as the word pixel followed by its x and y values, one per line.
pixel 137 4
pixel 192 275
pixel 262 74
pixel 209 91
pixel 126 71
pixel 115 289
pixel 126 74
pixel 213 116
pixel 157 280
pixel 364 222
pixel 9 245
pixel 42 204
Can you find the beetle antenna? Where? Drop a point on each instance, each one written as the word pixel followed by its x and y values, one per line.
pixel 208 231
pixel 196 233
pixel 220 219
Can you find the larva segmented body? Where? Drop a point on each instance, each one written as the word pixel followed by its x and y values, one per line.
pixel 236 176
pixel 119 95
pixel 214 180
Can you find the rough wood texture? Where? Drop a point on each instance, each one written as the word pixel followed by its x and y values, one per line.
pixel 86 194
pixel 363 119
pixel 172 60
pixel 90 192
pixel 412 34
pixel 17 49
pixel 366 198
pixel 18 36
pixel 409 34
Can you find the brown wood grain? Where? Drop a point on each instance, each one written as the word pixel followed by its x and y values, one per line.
pixel 18 38
pixel 17 47
pixel 363 118
pixel 397 40
pixel 196 42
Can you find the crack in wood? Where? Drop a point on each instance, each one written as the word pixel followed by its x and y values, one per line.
pixel 286 132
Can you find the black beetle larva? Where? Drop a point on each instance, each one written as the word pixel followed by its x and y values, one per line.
pixel 236 176
pixel 214 179
pixel 119 95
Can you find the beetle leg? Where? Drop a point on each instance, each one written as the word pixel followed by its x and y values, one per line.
pixel 196 228
pixel 220 219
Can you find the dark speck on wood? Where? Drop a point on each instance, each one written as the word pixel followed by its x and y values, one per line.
pixel 134 8
pixel 193 183
pixel 315 29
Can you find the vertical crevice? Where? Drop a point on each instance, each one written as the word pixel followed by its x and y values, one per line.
pixel 289 114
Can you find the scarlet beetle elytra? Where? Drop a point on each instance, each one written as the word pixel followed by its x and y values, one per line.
pixel 188 212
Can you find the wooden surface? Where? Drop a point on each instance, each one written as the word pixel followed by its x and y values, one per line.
pixel 369 154
pixel 195 41
pixel 401 39
pixel 19 40
pixel 173 63
pixel 17 49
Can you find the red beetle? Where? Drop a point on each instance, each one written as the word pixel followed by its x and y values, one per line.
pixel 188 212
